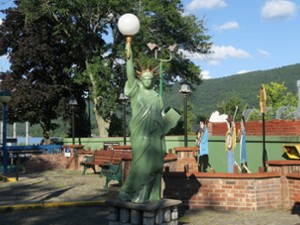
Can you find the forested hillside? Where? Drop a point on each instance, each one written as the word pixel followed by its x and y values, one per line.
pixel 246 86
pixel 207 95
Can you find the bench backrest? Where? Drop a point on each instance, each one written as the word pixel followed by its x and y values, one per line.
pixel 102 157
pixel 119 155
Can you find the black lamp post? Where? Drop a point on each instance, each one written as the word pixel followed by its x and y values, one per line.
pixel 73 103
pixel 89 113
pixel 185 89
pixel 123 98
pixel 263 109
pixel 5 97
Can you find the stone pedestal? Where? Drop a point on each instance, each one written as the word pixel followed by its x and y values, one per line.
pixel 164 212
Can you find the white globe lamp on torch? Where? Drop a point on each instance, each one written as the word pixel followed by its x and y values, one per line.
pixel 128 25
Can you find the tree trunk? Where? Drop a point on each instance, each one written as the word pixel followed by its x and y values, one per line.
pixel 102 125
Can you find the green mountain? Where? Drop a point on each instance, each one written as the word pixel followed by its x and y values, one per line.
pixel 206 96
pixel 210 92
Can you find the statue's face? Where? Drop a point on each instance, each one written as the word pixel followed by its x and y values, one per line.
pixel 147 80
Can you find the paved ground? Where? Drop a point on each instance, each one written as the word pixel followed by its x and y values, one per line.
pixel 66 198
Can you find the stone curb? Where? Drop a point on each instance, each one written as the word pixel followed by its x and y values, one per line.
pixel 9 208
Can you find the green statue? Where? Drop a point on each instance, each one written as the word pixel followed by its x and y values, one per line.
pixel 148 126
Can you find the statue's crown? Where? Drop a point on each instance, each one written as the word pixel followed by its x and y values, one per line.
pixel 147 70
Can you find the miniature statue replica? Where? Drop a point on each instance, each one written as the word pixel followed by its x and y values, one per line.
pixel 147 127
pixel 243 150
pixel 46 140
pixel 230 143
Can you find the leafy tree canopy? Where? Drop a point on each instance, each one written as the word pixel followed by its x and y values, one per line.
pixel 278 95
pixel 72 47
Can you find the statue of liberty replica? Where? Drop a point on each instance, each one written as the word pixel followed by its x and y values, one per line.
pixel 148 126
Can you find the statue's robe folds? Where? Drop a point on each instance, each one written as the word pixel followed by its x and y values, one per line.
pixel 143 183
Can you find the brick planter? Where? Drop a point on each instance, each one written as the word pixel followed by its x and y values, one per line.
pixel 224 191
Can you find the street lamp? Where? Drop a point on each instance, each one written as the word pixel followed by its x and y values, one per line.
pixel 88 99
pixel 73 103
pixel 185 89
pixel 123 98
pixel 172 50
pixel 5 97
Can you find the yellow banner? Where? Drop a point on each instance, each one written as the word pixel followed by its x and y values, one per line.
pixel 263 99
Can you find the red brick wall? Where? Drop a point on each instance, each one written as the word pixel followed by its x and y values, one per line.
pixel 224 191
pixel 186 156
pixel 294 188
pixel 50 162
pixel 278 188
pixel 273 128
pixel 284 167
pixel 43 162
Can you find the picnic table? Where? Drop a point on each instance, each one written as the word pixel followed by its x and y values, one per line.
pixel 19 152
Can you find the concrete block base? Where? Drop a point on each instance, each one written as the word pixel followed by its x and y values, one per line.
pixel 164 212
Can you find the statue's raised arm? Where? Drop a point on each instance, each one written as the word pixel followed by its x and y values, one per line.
pixel 129 66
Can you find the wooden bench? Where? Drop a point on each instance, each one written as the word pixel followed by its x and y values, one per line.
pixel 110 162
pixel 99 157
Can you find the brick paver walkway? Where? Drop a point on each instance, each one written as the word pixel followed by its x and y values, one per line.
pixel 69 186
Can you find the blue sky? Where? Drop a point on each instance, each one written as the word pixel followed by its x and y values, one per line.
pixel 247 35
pixel 4 65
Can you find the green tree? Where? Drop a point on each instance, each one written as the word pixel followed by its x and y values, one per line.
pixel 278 95
pixel 230 105
pixel 81 48
pixel 41 85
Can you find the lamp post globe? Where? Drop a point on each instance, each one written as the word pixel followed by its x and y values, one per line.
pixel 128 24
pixel 185 89
pixel 5 96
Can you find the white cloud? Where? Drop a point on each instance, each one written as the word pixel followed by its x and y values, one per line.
pixel 1 21
pixel 213 62
pixel 206 4
pixel 263 53
pixel 205 75
pixel 274 9
pixel 242 71
pixel 218 53
pixel 225 52
pixel 228 26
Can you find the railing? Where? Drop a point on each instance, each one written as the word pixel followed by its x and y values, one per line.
pixel 45 149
